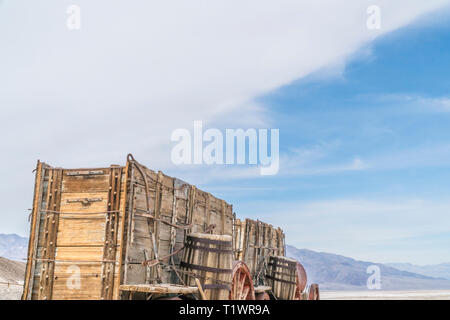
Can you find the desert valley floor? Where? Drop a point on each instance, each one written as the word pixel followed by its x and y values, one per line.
pixel 386 295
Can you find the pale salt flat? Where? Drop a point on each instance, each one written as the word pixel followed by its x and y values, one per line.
pixel 386 295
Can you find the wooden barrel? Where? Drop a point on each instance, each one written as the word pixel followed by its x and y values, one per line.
pixel 209 258
pixel 282 277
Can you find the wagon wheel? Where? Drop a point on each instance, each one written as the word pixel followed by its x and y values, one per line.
pixel 241 283
pixel 301 281
pixel 314 292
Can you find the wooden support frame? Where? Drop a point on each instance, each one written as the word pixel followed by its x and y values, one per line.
pixel 111 230
pixel 117 244
pixel 160 289
pixel 50 234
pixel 34 231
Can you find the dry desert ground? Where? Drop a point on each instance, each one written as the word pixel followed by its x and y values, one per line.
pixel 386 295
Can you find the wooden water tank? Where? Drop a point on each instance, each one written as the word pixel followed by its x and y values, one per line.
pixel 281 275
pixel 209 258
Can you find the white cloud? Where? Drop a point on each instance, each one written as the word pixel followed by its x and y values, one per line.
pixel 367 229
pixel 296 162
pixel 425 155
pixel 137 70
pixel 308 162
pixel 441 104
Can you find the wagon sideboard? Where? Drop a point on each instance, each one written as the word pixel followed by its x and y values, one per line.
pixel 254 242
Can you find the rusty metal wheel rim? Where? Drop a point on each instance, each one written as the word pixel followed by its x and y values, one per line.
pixel 301 281
pixel 242 283
pixel 314 292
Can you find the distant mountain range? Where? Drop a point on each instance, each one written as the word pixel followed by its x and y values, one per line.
pixel 335 272
pixel 330 271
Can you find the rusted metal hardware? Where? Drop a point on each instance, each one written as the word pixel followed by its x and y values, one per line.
pixel 75 261
pixel 85 201
pixel 85 173
pixel 222 243
pixel 210 228
pixel 154 262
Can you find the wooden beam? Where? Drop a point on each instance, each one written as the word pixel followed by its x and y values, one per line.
pixel 160 288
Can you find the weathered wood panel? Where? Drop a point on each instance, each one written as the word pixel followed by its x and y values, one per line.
pixel 85 182
pixel 82 211
pixel 159 204
pixel 254 243
pixel 77 281
pixel 89 232
pixel 151 216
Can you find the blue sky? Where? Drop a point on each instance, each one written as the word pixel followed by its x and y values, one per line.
pixel 376 130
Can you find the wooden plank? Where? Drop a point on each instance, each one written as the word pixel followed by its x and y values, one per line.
pixel 160 289
pixel 200 289
pixel 88 232
pixel 79 253
pixel 122 233
pixel 85 183
pixel 34 228
pixel 110 232
pixel 131 209
pixel 261 289
pixel 136 274
pixel 50 234
pixel 77 281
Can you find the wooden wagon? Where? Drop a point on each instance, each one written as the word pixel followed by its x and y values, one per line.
pixel 123 232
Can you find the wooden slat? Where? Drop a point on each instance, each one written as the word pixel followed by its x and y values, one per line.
pixel 50 234
pixel 110 233
pixel 69 275
pixel 88 232
pixel 80 253
pixel 160 289
pixel 85 183
pixel 99 206
pixel 34 228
